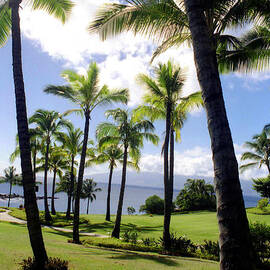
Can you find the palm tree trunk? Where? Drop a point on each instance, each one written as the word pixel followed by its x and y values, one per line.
pixel 116 229
pixel 71 188
pixel 108 211
pixel 167 196
pixel 46 206
pixel 10 188
pixel 53 192
pixel 34 163
pixel 171 166
pixel 31 208
pixel 235 244
pixel 87 206
pixel 76 236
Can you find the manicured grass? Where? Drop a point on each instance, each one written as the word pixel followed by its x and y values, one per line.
pixel 14 246
pixel 255 210
pixel 197 226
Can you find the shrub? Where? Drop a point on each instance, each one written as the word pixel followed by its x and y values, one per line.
pixel 153 205
pixel 130 236
pixel 52 264
pixel 149 242
pixel 262 203
pixel 210 250
pixel 131 210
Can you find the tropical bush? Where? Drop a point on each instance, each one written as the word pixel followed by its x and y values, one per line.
pixel 131 210
pixel 262 186
pixel 262 203
pixel 52 264
pixel 196 195
pixel 153 205
pixel 209 250
pixel 130 236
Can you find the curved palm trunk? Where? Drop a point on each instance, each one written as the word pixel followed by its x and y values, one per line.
pixel 116 229
pixel 10 188
pixel 53 192
pixel 31 208
pixel 87 205
pixel 76 237
pixel 235 245
pixel 167 185
pixel 46 206
pixel 108 211
pixel 70 189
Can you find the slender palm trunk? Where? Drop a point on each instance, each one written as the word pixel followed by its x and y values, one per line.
pixel 116 229
pixel 88 200
pixel 53 192
pixel 167 196
pixel 31 208
pixel 46 206
pixel 10 188
pixel 236 251
pixel 76 236
pixel 108 211
pixel 71 188
pixel 34 162
pixel 171 166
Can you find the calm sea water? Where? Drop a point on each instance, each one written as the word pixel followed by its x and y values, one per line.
pixel 134 196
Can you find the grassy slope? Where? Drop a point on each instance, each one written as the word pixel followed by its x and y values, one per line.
pixel 14 246
pixel 196 225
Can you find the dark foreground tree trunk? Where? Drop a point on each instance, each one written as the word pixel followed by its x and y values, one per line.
pixel 236 251
pixel 167 196
pixel 53 192
pixel 116 229
pixel 10 189
pixel 76 236
pixel 171 178
pixel 46 206
pixel 31 209
pixel 108 211
pixel 87 211
pixel 71 189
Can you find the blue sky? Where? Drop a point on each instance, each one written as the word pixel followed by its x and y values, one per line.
pixel 49 47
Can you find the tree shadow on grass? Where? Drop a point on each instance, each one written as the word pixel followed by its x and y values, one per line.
pixel 158 259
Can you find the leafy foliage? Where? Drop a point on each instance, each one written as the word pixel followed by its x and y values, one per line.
pixel 52 264
pixel 196 195
pixel 262 203
pixel 262 186
pixel 153 205
pixel 131 210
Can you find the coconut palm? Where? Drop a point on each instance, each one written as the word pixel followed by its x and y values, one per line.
pixel 10 22
pixel 130 133
pixel 49 123
pixel 164 100
pixel 202 24
pixel 89 190
pixel 12 179
pixel 84 91
pixel 259 154
pixel 72 143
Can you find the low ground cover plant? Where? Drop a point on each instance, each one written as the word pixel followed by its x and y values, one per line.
pixel 52 264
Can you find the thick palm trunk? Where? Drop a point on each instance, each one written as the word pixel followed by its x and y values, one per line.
pixel 116 229
pixel 53 192
pixel 87 206
pixel 108 211
pixel 46 206
pixel 34 165
pixel 235 245
pixel 31 209
pixel 76 237
pixel 167 196
pixel 10 188
pixel 70 192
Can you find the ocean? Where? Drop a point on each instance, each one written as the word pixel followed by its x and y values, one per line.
pixel 135 196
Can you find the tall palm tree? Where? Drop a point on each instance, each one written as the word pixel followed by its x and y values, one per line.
pixel 259 154
pixel 49 123
pixel 164 100
pixel 72 143
pixel 89 190
pixel 202 24
pixel 10 20
pixel 130 133
pixel 84 91
pixel 12 179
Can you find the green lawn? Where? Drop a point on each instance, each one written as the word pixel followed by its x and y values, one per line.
pixel 14 246
pixel 195 225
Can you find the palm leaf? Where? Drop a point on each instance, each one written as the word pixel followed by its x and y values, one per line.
pixel 5 22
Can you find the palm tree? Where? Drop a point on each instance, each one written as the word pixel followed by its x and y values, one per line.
pixel 72 143
pixel 164 100
pixel 10 20
pixel 259 154
pixel 130 133
pixel 12 178
pixel 202 24
pixel 49 123
pixel 88 191
pixel 84 91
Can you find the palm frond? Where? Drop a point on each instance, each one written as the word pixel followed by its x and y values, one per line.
pixel 5 22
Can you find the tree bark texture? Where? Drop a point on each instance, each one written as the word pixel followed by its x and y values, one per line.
pixel 71 189
pixel 31 208
pixel 108 211
pixel 236 251
pixel 53 192
pixel 10 189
